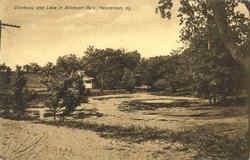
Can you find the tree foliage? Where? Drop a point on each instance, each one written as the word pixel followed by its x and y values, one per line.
pixel 64 94
pixel 108 66
pixel 128 80
pixel 216 60
pixel 200 17
pixel 68 64
pixel 15 101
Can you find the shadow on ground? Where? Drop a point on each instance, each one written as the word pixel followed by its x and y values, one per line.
pixel 31 115
pixel 209 140
pixel 111 97
pixel 85 113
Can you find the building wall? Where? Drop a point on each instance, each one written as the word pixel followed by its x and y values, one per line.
pixel 88 85
pixel 88 82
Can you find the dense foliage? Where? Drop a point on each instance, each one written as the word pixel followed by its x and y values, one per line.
pixel 111 67
pixel 65 93
pixel 14 101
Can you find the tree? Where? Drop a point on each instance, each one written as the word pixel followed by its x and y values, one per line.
pixel 129 80
pixel 63 98
pixel 208 20
pixel 80 85
pixel 68 64
pixel 34 67
pixel 19 102
pixel 232 26
pixel 49 69
pixel 108 65
pixel 27 68
pixel 152 69
pixel 170 69
pixel 3 67
pixel 8 76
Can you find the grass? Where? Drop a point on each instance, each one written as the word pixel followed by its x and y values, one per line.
pixel 210 141
pixel 137 105
pixel 214 141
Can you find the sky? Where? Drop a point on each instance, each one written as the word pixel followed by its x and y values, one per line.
pixel 47 34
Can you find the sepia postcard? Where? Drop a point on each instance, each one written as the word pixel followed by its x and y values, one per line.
pixel 124 79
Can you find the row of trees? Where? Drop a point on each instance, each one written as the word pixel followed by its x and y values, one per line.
pixel 111 68
pixel 203 68
pixel 215 60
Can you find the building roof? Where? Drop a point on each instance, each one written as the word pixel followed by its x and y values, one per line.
pixel 85 76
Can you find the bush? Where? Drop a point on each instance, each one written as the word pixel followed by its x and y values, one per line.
pixel 20 93
pixel 160 84
pixel 64 97
pixel 15 101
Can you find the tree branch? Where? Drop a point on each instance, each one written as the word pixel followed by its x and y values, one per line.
pixel 218 7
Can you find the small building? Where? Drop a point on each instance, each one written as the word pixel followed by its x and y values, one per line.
pixel 87 80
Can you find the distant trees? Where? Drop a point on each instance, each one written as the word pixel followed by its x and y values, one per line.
pixel 203 68
pixel 27 68
pixel 128 80
pixel 3 67
pixel 32 68
pixel 8 76
pixel 108 66
pixel 6 73
pixel 170 71
pixel 68 64
pixel 49 69
pixel 152 69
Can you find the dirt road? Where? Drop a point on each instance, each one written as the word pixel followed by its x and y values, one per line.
pixel 111 127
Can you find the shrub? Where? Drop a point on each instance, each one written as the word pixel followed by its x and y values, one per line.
pixel 20 93
pixel 64 95
pixel 161 84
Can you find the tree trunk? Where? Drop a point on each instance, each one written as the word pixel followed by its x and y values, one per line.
pixel 218 7
pixel 102 83
pixel 54 114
